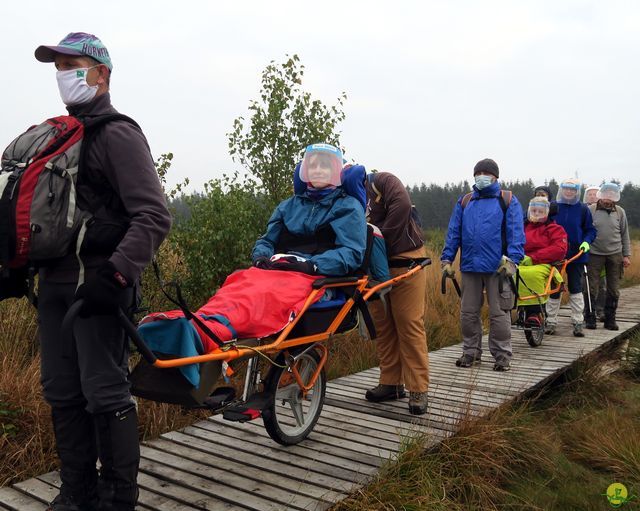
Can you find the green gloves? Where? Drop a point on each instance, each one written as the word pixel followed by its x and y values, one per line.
pixel 584 246
pixel 526 261
pixel 507 267
pixel 447 268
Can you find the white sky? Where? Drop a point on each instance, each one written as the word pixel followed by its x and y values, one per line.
pixel 546 88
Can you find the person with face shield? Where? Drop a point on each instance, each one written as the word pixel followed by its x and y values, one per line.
pixel 321 223
pixel 610 250
pixel 575 218
pixel 487 227
pixel 545 191
pixel 590 197
pixel 93 413
pixel 546 243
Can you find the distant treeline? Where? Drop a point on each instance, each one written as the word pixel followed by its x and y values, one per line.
pixel 435 202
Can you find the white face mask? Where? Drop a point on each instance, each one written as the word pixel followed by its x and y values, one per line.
pixel 483 181
pixel 73 86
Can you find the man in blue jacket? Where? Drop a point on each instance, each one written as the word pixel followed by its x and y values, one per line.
pixel 487 227
pixel 576 219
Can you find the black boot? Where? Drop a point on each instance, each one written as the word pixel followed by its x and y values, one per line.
pixel 76 445
pixel 590 320
pixel 610 307
pixel 119 452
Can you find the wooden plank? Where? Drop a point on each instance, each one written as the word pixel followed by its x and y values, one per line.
pixel 37 489
pixel 279 479
pixel 354 458
pixel 258 447
pixel 17 501
pixel 146 499
pixel 205 492
pixel 225 452
pixel 256 436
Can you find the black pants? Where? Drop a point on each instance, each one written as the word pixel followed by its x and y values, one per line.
pixel 85 381
pixel 93 371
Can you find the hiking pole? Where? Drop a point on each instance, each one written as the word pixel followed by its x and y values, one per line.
pixel 443 284
pixel 586 278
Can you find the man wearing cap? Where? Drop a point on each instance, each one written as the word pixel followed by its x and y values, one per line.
pixel 487 227
pixel 610 250
pixel 93 413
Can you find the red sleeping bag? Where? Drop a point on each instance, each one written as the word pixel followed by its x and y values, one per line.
pixel 251 303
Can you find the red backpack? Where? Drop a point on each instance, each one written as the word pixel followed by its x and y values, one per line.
pixel 39 215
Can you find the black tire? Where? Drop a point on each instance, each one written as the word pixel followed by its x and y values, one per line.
pixel 534 336
pixel 289 418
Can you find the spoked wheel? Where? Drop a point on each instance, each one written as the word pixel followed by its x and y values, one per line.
pixel 291 416
pixel 534 336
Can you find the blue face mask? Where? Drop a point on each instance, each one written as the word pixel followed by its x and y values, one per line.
pixel 483 181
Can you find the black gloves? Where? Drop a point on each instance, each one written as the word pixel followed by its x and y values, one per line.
pixel 286 264
pixel 14 284
pixel 103 292
pixel 261 262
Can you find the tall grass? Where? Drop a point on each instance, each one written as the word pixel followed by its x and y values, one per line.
pixel 557 451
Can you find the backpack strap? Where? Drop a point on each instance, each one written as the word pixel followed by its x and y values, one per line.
pixel 466 199
pixel 504 199
pixel 371 179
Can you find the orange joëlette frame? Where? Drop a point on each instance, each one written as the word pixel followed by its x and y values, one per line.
pixel 282 342
pixel 547 290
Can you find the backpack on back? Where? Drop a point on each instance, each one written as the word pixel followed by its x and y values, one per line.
pixel 39 215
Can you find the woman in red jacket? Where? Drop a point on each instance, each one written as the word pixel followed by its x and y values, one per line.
pixel 546 242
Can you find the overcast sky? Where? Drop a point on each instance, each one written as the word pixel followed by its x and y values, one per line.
pixel 546 88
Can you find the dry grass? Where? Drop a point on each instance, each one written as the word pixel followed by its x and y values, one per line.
pixel 559 450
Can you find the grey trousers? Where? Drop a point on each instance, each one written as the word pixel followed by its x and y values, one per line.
pixel 92 372
pixel 500 305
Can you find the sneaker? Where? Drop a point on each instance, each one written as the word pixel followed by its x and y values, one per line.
pixel 467 361
pixel 550 330
pixel 418 403
pixel 502 365
pixel 385 393
pixel 577 330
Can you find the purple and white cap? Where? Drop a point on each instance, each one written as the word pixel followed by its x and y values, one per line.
pixel 79 44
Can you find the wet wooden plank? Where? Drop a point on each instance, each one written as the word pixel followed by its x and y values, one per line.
pixel 15 500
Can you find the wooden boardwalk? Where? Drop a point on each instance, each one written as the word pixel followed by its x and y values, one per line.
pixel 217 465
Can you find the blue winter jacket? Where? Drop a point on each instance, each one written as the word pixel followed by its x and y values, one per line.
pixel 477 231
pixel 578 222
pixel 303 216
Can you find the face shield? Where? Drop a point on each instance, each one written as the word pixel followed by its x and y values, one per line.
pixel 538 210
pixel 569 192
pixel 609 191
pixel 321 166
pixel 589 196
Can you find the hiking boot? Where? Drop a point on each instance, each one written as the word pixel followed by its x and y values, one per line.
pixel 417 403
pixel 68 503
pixel 502 365
pixel 550 330
pixel 467 361
pixel 385 393
pixel 590 321
pixel 610 323
pixel 577 330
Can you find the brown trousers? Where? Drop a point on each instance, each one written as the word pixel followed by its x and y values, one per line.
pixel 401 340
